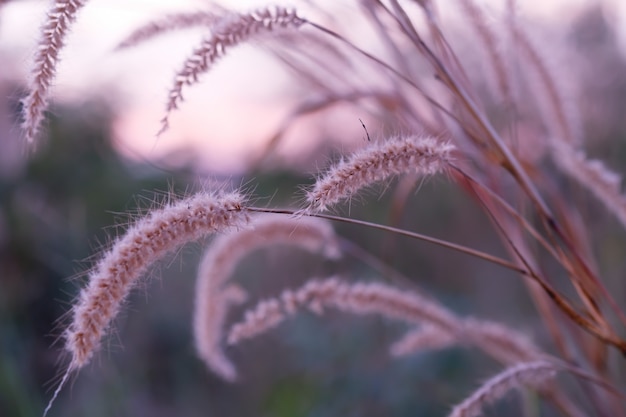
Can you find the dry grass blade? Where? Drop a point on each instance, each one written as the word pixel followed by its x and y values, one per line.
pixel 312 106
pixel 561 117
pixel 401 232
pixel 490 41
pixel 597 327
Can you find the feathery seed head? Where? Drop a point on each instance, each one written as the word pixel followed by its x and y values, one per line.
pixel 423 338
pixel 52 40
pixel 219 262
pixel 360 299
pixel 378 162
pixel 229 31
pixel 145 242
pixel 530 374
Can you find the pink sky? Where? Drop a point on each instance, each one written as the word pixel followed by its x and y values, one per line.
pixel 224 118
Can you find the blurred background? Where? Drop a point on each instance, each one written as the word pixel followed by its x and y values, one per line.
pixel 99 160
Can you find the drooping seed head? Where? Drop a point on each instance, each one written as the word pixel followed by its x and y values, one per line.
pixel 229 31
pixel 52 40
pixel 214 297
pixel 148 240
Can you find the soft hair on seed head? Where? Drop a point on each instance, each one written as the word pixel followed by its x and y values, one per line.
pixel 360 298
pixel 439 327
pixel 528 374
pixel 426 337
pixel 144 243
pixel 214 297
pixel 229 31
pixel 378 162
pixel 502 343
pixel 53 33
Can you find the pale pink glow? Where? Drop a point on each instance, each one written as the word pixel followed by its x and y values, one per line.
pixel 231 113
pixel 226 136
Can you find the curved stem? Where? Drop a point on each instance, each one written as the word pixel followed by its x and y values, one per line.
pixel 560 301
pixel 506 206
pixel 454 246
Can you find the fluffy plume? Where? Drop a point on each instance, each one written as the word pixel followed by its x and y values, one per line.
pixel 219 262
pixel 52 40
pixel 426 337
pixel 361 298
pixel 378 162
pixel 500 342
pixel 529 374
pixel 229 31
pixel 166 24
pixel 439 327
pixel 593 175
pixel 148 240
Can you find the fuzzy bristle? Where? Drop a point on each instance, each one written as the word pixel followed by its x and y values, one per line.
pixel 145 242
pixel 377 162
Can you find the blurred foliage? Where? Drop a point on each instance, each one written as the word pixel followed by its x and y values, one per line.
pixel 50 211
pixel 57 211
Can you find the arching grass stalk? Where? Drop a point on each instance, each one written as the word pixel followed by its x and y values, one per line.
pixel 561 301
pixel 450 245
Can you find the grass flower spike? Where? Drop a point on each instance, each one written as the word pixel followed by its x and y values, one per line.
pixel 148 240
pixel 394 63
pixel 426 337
pixel 229 31
pixel 46 58
pixel 360 299
pixel 529 374
pixel 214 297
pixel 378 162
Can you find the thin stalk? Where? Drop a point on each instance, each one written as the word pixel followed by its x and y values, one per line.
pixel 539 296
pixel 512 164
pixel 560 301
pixel 553 249
pixel 386 66
pixel 509 209
pixel 542 303
pixel 588 272
pixel 374 262
pixel 454 246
